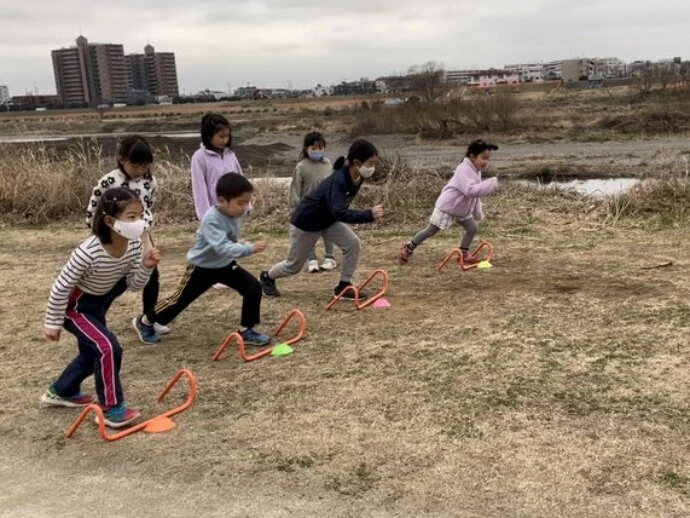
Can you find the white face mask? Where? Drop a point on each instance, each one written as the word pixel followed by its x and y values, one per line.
pixel 366 172
pixel 132 230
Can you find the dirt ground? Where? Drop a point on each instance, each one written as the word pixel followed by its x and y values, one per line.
pixel 555 383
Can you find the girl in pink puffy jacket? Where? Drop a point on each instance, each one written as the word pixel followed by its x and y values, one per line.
pixel 460 201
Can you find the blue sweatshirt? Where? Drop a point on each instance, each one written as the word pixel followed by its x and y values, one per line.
pixel 329 202
pixel 217 241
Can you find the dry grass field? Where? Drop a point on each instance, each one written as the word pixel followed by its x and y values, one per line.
pixel 554 384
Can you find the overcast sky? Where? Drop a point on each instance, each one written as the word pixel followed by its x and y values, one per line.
pixel 277 43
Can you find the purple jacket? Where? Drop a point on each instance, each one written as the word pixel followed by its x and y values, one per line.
pixel 461 195
pixel 207 167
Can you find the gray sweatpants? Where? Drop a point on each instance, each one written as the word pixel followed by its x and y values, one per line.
pixel 470 226
pixel 327 249
pixel 302 243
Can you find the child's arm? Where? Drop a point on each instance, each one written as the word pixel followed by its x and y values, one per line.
pixel 339 206
pixel 199 187
pixel 476 190
pixel 142 265
pixel 106 182
pixel 296 187
pixel 216 236
pixel 65 282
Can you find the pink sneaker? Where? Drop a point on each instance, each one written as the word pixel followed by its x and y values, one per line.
pixel 469 260
pixel 405 253
pixel 50 398
pixel 120 415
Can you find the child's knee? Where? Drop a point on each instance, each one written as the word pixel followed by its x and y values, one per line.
pixel 254 288
pixel 353 245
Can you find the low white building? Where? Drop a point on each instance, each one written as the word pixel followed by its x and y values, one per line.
pixel 493 77
pixel 529 71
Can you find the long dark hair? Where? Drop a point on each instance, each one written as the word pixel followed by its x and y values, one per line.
pixel 212 123
pixel 361 150
pixel 309 140
pixel 112 203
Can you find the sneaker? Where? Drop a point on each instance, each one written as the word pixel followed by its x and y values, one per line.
pixel 313 266
pixel 220 286
pixel 161 329
pixel 468 260
pixel 405 253
pixel 119 416
pixel 268 285
pixel 147 333
pixel 350 295
pixel 50 398
pixel 253 337
pixel 328 264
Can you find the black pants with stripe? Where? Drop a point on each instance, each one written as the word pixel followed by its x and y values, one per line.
pixel 149 297
pixel 197 280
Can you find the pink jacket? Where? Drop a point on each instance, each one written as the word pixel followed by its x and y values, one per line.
pixel 207 167
pixel 461 195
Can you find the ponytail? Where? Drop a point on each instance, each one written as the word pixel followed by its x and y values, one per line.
pixel 339 163
pixel 361 150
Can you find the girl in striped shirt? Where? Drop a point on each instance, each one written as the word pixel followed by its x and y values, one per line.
pixel 82 295
pixel 134 161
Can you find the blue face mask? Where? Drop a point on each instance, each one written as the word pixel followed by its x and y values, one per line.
pixel 316 156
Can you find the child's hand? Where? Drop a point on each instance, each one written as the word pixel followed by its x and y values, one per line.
pixel 52 334
pixel 151 257
pixel 260 246
pixel 377 211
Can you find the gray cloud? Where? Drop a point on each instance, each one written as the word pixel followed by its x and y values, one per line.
pixel 272 42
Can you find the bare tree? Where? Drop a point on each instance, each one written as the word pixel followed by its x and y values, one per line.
pixel 428 79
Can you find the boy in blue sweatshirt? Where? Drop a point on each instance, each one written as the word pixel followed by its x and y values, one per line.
pixel 325 212
pixel 213 259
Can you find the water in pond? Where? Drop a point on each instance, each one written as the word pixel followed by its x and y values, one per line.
pixel 596 187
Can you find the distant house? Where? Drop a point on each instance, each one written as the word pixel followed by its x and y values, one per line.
pixel 493 77
pixel 322 91
pixel 532 72
pixel 355 88
pixel 246 92
pixel 31 102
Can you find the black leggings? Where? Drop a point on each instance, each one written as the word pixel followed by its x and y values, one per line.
pixel 149 297
pixel 197 280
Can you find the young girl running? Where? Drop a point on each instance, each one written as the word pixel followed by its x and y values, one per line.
pixel 460 201
pixel 311 170
pixel 212 160
pixel 82 295
pixel 134 160
pixel 325 212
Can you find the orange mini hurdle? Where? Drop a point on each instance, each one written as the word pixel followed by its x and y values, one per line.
pixel 357 289
pixel 158 423
pixel 461 263
pixel 236 337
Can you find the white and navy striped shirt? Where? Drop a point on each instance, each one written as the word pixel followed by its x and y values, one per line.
pixel 94 271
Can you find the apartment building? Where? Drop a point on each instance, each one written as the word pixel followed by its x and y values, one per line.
pixel 4 94
pixel 91 73
pixel 154 72
pixel 100 73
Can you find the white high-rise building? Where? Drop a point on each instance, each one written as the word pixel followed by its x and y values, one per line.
pixel 4 94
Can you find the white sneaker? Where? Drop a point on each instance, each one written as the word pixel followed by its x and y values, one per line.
pixel 328 264
pixel 161 329
pixel 313 266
